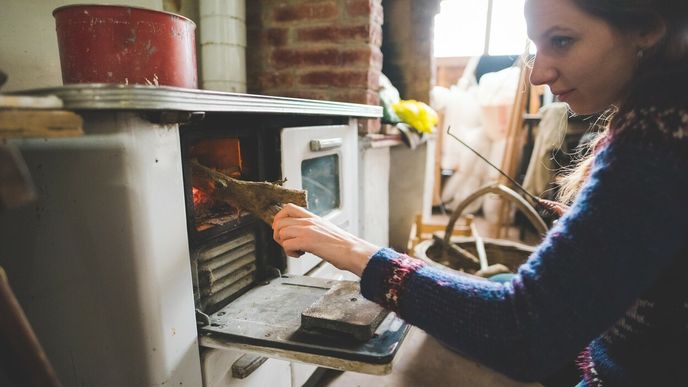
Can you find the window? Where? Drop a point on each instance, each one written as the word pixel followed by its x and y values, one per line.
pixel 462 28
pixel 321 179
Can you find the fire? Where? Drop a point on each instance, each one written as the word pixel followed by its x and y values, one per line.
pixel 222 155
pixel 199 197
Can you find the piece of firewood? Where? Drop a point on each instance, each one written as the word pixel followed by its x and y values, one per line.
pixel 263 199
pixel 455 255
pixel 39 123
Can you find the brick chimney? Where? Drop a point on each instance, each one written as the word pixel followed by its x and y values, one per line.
pixel 319 49
pixel 408 46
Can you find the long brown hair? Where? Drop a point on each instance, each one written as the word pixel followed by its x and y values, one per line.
pixel 661 74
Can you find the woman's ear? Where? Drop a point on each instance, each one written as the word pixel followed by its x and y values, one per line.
pixel 651 35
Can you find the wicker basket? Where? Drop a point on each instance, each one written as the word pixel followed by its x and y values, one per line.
pixel 459 253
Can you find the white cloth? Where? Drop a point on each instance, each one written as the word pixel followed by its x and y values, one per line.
pixel 550 135
pixel 478 115
pixel 474 173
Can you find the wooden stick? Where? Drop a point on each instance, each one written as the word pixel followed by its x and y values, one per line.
pixel 455 254
pixel 480 247
pixel 514 143
pixel 260 198
pixel 21 352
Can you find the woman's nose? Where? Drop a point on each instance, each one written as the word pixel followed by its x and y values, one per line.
pixel 542 73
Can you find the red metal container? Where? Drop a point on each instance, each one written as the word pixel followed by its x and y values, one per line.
pixel 121 44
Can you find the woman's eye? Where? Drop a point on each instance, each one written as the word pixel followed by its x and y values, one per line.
pixel 561 41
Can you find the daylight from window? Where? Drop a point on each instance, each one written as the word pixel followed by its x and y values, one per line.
pixel 460 28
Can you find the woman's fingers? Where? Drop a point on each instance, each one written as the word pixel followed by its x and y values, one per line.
pixel 292 210
pixel 299 235
pixel 557 208
pixel 289 211
pixel 291 228
pixel 291 248
pixel 289 233
pixel 277 222
pixel 294 253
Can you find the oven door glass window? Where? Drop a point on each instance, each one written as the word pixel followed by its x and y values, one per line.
pixel 320 177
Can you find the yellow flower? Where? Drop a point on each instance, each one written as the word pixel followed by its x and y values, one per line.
pixel 417 114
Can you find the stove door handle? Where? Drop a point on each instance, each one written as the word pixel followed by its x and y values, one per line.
pixel 323 144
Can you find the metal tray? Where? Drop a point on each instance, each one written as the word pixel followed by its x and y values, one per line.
pixel 267 321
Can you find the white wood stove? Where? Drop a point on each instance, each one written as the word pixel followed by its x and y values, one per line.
pixel 131 278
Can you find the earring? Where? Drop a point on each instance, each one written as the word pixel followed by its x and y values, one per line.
pixel 639 54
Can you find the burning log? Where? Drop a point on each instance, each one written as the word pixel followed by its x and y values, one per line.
pixel 263 199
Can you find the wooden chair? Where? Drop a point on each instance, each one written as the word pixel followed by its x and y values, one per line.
pixel 421 231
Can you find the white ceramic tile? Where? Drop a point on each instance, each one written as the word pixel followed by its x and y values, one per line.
pixel 222 29
pixel 235 8
pixel 223 62
pixel 228 86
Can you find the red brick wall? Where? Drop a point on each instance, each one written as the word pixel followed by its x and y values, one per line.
pixel 320 49
pixel 408 46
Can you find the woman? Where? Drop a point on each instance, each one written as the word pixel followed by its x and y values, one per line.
pixel 607 284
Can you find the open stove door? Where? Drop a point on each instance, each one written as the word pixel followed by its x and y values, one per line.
pixel 266 321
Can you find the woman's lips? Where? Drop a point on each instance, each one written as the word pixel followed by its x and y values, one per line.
pixel 564 95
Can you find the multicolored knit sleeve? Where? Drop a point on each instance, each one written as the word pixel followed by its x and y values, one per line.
pixel 392 269
pixel 623 232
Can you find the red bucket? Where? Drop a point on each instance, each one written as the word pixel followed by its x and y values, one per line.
pixel 120 44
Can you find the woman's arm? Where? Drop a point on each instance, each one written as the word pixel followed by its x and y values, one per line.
pixel 626 227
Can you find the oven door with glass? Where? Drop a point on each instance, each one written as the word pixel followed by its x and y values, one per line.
pixel 322 160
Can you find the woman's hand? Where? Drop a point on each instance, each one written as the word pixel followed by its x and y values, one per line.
pixel 559 209
pixel 297 230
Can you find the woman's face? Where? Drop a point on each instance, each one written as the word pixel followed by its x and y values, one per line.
pixel 585 62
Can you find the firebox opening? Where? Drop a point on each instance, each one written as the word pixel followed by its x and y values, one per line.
pixel 225 156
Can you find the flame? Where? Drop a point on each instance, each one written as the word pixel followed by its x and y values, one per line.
pixel 199 197
pixel 222 155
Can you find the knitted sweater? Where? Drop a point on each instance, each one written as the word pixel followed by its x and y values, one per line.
pixel 607 284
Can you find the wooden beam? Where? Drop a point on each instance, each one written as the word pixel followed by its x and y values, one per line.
pixel 26 123
pixel 514 144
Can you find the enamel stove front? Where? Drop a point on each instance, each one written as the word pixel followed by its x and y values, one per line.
pixel 130 278
pixel 249 295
